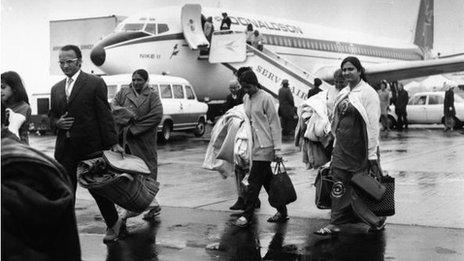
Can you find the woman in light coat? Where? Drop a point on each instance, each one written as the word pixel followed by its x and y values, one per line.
pixel 138 131
pixel 267 143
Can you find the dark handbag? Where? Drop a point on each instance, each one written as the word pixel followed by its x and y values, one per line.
pixel 123 181
pixel 281 190
pixel 323 184
pixel 368 181
pixel 386 206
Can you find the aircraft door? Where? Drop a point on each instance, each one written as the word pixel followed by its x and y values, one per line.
pixel 191 26
pixel 228 47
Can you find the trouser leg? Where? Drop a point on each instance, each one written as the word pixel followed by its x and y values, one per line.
pixel 384 121
pixel 255 182
pixel 107 209
pixel 399 123
pixel 71 168
pixel 239 175
pixel 405 119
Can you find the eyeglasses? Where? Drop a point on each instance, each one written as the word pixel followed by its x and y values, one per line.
pixel 68 62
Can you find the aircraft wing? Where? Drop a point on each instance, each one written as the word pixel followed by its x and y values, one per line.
pixel 406 70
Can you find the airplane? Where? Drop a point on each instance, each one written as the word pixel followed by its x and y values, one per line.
pixel 156 41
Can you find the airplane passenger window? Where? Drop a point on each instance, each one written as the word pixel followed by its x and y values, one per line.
pixel 189 92
pixel 165 90
pixel 150 28
pixel 178 92
pixel 133 27
pixel 162 28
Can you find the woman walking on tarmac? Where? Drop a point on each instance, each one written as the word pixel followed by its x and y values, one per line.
pixel 356 130
pixel 267 142
pixel 137 127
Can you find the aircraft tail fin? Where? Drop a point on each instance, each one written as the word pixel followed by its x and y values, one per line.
pixel 424 27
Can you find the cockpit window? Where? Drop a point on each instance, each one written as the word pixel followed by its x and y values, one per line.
pixel 162 28
pixel 151 28
pixel 133 27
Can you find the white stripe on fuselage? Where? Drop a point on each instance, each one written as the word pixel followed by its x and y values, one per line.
pixel 308 46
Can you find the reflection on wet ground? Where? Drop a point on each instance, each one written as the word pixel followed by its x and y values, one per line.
pixel 427 165
pixel 253 243
pixel 186 234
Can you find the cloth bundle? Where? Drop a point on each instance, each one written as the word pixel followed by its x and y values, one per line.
pixel 230 143
pixel 124 181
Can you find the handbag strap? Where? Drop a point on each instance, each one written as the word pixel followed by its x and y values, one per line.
pixel 279 167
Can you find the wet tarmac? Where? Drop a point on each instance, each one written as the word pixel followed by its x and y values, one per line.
pixel 195 223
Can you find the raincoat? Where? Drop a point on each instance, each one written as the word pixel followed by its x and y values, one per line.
pixel 137 117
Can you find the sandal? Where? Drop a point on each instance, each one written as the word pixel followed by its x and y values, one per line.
pixel 278 218
pixel 154 211
pixel 242 222
pixel 327 231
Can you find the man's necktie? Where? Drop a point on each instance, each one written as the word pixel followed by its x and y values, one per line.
pixel 68 87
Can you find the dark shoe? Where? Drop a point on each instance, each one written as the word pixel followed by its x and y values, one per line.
pixel 115 232
pixel 239 205
pixel 242 222
pixel 278 218
pixel 154 212
pixel 328 231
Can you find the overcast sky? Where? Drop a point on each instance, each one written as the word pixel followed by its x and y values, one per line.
pixel 25 23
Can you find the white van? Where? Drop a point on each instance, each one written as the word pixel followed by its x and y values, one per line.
pixel 181 109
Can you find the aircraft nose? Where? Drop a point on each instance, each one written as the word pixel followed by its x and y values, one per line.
pixel 98 55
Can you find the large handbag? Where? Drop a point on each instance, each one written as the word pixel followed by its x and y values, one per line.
pixel 323 183
pixel 369 182
pixel 281 190
pixel 386 206
pixel 124 181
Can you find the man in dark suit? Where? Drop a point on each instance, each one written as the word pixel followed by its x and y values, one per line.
pixel 81 117
pixel 448 109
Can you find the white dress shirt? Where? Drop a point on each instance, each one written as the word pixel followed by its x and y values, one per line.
pixel 68 89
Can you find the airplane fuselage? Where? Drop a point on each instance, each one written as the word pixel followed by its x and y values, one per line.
pixel 314 48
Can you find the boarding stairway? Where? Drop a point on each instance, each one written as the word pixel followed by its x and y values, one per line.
pixel 271 69
pixel 230 49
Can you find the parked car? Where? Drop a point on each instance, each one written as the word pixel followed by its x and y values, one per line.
pixel 427 108
pixel 181 109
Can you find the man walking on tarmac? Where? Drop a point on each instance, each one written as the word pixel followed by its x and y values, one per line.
pixel 81 117
pixel 402 99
